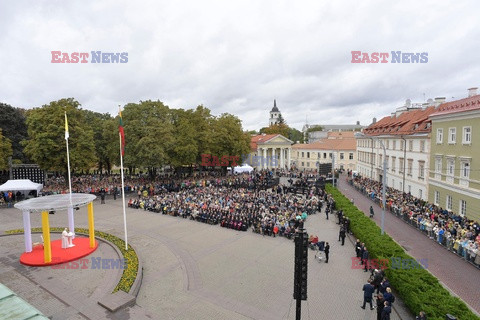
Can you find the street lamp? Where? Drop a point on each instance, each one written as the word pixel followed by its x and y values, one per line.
pixel 360 135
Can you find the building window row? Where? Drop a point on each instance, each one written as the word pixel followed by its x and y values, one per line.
pixel 452 135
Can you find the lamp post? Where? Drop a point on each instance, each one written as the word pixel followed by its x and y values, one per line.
pixel 384 177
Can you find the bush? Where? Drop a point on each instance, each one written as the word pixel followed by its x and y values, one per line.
pixel 418 288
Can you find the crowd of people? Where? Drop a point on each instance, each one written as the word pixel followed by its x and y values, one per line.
pixel 457 233
pixel 234 204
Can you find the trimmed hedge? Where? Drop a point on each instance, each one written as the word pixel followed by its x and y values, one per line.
pixel 417 287
pixel 129 273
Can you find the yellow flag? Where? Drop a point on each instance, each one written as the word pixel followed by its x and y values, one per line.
pixel 66 126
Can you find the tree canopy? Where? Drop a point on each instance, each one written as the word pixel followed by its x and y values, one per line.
pixel 12 123
pixel 5 151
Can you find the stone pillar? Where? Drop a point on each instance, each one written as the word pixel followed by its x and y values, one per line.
pixel 262 160
pixel 282 158
pixel 288 157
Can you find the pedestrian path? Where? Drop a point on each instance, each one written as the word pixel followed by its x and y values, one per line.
pixel 460 277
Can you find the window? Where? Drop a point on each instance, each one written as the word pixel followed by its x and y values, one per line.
pixel 400 165
pixel 421 169
pixel 438 165
pixel 467 135
pixel 394 144
pixel 452 135
pixel 308 164
pixel 401 145
pixel 450 167
pixel 465 170
pixel 350 156
pixel 410 145
pixel 303 155
pixel 422 145
pixel 440 135
pixel 449 203
pixel 302 164
pixel 436 198
pixel 463 207
pixel 308 155
pixel 380 159
pixel 393 163
pixel 410 166
pixel 330 154
pixel 341 155
pixel 388 144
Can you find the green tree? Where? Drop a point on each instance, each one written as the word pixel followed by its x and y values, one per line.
pixel 315 128
pixel 185 148
pixel 149 135
pixel 295 135
pixel 282 129
pixel 12 122
pixel 46 137
pixel 5 151
pixel 112 143
pixel 229 139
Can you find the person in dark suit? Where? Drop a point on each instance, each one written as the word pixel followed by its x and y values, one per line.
pixel 384 285
pixel 365 258
pixel 368 290
pixel 343 234
pixel 386 311
pixel 327 251
pixel 380 305
pixel 358 248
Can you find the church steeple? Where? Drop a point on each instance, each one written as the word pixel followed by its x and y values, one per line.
pixel 275 114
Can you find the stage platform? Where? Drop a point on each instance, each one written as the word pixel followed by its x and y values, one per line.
pixel 59 255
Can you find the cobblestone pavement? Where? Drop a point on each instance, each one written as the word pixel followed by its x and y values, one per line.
pixel 459 276
pixel 192 271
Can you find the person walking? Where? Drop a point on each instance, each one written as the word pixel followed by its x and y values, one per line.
pixel 343 234
pixel 372 213
pixel 365 258
pixel 367 295
pixel 327 251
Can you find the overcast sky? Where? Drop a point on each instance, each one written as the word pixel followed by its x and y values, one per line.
pixel 238 56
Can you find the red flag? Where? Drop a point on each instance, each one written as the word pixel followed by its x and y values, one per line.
pixel 122 132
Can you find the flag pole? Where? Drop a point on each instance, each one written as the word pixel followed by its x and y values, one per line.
pixel 123 191
pixel 68 156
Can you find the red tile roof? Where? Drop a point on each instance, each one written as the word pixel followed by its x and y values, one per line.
pixel 462 105
pixel 328 144
pixel 340 134
pixel 409 122
pixel 260 138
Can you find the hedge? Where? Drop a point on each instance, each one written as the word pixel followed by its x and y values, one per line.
pixel 417 287
pixel 129 273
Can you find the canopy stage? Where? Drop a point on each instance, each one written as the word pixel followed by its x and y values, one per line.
pixel 56 252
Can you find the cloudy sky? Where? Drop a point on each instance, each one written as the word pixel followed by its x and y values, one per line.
pixel 238 56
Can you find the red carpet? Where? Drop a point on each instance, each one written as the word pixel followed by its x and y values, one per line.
pixel 59 255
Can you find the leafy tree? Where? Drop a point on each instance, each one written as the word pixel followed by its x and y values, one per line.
pixel 149 135
pixel 295 135
pixel 12 122
pixel 282 129
pixel 5 151
pixel 202 121
pixel 97 121
pixel 46 131
pixel 185 148
pixel 110 134
pixel 315 128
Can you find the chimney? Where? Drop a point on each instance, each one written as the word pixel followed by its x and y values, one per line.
pixel 439 101
pixel 374 120
pixel 472 92
pixel 358 123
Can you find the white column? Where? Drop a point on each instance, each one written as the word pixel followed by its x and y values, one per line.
pixel 71 221
pixel 288 157
pixel 27 231
pixel 262 160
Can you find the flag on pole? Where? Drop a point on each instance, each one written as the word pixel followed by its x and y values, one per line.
pixel 122 132
pixel 66 126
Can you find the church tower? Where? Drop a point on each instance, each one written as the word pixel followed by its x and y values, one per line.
pixel 275 114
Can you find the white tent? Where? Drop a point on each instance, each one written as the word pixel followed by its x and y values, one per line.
pixel 21 185
pixel 242 169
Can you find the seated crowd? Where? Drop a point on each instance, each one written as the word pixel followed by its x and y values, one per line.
pixel 458 234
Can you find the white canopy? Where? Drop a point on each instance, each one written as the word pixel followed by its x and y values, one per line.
pixel 244 168
pixel 21 185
